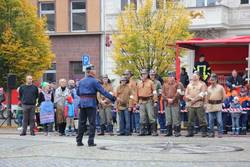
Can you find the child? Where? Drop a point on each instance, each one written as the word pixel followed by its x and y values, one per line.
pixel 236 110
pixel 45 101
pixel 245 103
pixel 69 113
pixel 161 113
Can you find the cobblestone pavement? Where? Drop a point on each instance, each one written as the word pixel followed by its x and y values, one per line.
pixel 132 151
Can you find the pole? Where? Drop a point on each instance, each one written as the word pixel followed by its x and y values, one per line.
pixel 9 107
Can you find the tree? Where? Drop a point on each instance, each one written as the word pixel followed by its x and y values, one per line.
pixel 145 37
pixel 24 46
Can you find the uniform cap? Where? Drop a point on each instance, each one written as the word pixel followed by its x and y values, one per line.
pixel 171 74
pixel 90 67
pixel 152 72
pixel 144 71
pixel 123 78
pixel 127 72
pixel 213 76
pixel 197 73
pixel 105 76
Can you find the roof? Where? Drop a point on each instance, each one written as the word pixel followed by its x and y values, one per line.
pixel 200 42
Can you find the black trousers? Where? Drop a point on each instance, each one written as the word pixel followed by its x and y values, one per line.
pixel 90 114
pixel 28 117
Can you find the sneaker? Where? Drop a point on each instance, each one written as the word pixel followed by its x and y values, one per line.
pixel 45 133
pixel 20 129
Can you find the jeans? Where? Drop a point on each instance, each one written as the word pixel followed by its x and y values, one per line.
pixel 235 122
pixel 136 121
pixel 20 118
pixel 97 121
pixel 243 121
pixel 124 119
pixel 184 116
pixel 218 116
pixel 162 121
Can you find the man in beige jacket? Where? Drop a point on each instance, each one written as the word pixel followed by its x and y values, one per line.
pixel 195 97
pixel 216 95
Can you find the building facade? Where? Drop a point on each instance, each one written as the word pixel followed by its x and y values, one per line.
pixel 78 27
pixel 74 27
pixel 221 19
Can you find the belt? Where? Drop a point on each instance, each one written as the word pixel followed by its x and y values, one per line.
pixel 88 96
pixel 214 101
pixel 145 98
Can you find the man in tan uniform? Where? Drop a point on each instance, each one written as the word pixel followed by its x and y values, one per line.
pixel 216 95
pixel 172 93
pixel 105 106
pixel 195 96
pixel 147 98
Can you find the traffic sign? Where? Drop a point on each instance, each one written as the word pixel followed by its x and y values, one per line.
pixel 85 61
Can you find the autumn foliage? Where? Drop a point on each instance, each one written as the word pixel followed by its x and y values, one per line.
pixel 24 46
pixel 145 36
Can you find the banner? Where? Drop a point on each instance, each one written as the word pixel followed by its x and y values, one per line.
pixel 47 113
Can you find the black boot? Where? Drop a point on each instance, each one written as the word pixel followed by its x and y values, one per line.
pixel 190 132
pixel 177 131
pixel 148 129
pixel 142 130
pixel 110 130
pixel 154 129
pixel 204 131
pixel 102 130
pixel 169 130
pixel 243 131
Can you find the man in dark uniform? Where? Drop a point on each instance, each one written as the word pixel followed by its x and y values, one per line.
pixel 87 89
pixel 203 67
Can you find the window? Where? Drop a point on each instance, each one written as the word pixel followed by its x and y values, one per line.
pixel 211 2
pixel 124 3
pixel 50 74
pixel 76 67
pixel 78 15
pixel 244 2
pixel 201 3
pixel 47 9
pixel 76 70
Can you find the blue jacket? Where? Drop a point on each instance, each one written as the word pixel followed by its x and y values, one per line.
pixel 90 86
